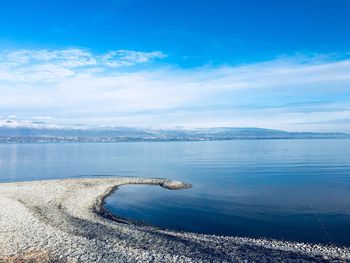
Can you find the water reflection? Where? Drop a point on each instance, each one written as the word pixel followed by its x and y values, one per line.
pixel 302 219
pixel 288 189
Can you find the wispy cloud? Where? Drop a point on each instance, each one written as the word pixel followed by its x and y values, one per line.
pixel 121 58
pixel 74 85
pixel 55 65
pixel 69 58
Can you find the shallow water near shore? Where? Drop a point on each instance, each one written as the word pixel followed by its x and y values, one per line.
pixel 286 189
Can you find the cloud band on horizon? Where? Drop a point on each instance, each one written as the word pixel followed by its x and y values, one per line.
pixel 123 87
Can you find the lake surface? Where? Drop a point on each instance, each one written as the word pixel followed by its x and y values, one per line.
pixel 285 189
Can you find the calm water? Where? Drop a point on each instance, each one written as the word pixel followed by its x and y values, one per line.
pixel 285 189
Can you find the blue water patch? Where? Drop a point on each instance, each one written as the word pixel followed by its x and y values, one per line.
pixel 285 189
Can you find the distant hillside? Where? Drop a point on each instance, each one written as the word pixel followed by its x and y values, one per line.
pixel 27 131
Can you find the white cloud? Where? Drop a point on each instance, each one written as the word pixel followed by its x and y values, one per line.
pixel 74 85
pixel 121 58
pixel 68 57
pixel 53 65
pixel 75 57
pixel 41 117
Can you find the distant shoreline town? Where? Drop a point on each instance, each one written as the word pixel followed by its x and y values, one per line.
pixel 117 139
pixel 22 131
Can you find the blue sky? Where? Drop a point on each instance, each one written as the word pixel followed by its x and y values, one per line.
pixel 274 64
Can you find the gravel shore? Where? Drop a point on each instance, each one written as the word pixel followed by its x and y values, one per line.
pixel 64 221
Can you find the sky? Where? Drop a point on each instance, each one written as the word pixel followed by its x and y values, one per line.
pixel 195 63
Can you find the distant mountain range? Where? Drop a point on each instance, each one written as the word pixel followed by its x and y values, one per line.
pixel 31 131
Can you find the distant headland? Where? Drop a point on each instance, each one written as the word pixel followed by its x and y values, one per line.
pixel 14 131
